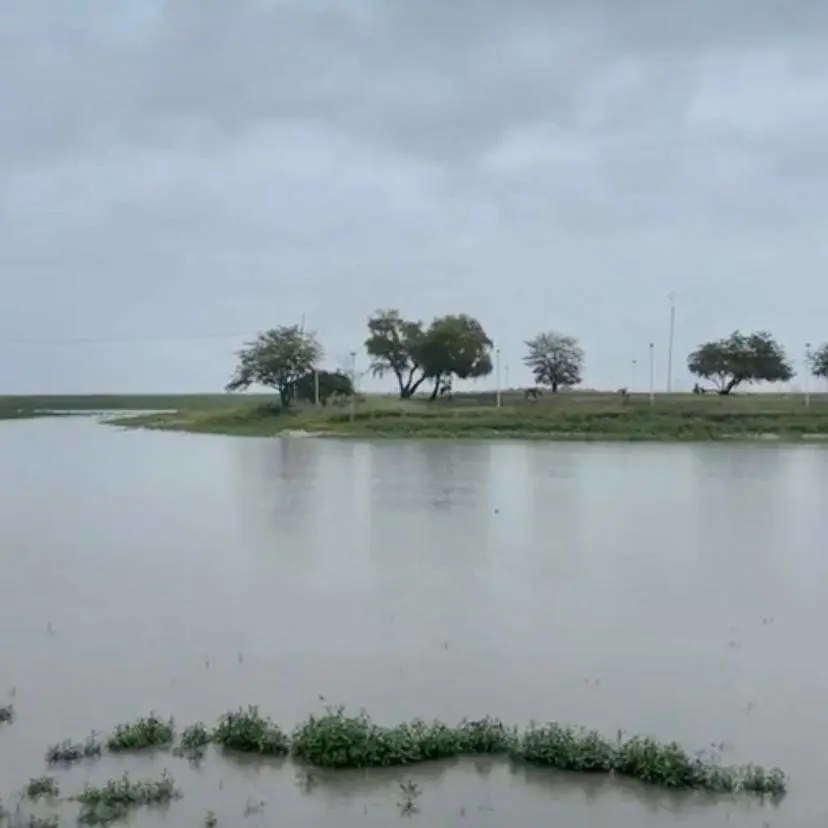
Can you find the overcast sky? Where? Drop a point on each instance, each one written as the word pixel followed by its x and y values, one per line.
pixel 176 176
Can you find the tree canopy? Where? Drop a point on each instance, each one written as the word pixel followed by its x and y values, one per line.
pixel 278 358
pixel 819 361
pixel 329 383
pixel 740 358
pixel 453 345
pixel 555 360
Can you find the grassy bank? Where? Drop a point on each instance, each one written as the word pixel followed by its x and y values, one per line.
pixel 667 419
pixel 570 416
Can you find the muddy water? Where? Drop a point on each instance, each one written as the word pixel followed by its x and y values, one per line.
pixel 680 591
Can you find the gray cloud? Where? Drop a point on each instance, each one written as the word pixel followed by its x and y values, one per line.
pixel 192 168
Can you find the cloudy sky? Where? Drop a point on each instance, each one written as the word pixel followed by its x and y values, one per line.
pixel 175 176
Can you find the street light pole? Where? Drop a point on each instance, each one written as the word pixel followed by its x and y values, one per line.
pixel 353 384
pixel 652 373
pixel 497 371
pixel 632 375
pixel 807 375
pixel 671 296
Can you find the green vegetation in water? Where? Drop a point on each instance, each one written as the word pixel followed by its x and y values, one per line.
pixel 248 731
pixel 211 820
pixel 117 797
pixel 6 713
pixel 42 786
pixel 194 741
pixel 337 740
pixel 19 820
pixel 144 733
pixel 67 751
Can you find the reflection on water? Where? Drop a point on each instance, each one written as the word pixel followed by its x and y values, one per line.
pixel 674 590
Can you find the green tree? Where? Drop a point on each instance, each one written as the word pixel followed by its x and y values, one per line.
pixel 556 360
pixel 740 358
pixel 455 346
pixel 394 346
pixel 278 359
pixel 819 362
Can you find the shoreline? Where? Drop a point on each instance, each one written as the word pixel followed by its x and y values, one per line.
pixel 588 417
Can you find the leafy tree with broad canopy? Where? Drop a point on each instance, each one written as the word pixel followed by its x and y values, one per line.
pixel 329 383
pixel 819 362
pixel 556 360
pixel 278 358
pixel 740 358
pixel 453 345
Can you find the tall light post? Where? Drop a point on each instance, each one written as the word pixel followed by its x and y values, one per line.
pixel 672 298
pixel 497 374
pixel 652 373
pixel 807 375
pixel 633 372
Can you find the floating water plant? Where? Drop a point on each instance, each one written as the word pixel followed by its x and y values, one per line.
pixel 247 731
pixel 67 751
pixel 6 713
pixel 114 799
pixel 408 803
pixel 34 821
pixel 42 786
pixel 148 732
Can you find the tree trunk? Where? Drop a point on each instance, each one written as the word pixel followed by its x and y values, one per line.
pixel 554 386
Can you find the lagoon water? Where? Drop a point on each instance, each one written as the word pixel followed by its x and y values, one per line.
pixel 675 590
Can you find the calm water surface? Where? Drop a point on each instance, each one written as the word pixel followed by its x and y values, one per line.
pixel 679 591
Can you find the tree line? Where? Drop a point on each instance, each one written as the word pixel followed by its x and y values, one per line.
pixel 419 355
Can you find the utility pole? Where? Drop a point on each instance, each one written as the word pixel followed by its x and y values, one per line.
pixel 497 369
pixel 353 384
pixel 633 373
pixel 652 373
pixel 672 297
pixel 316 386
pixel 807 375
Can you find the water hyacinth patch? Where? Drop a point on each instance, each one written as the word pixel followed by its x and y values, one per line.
pixel 148 732
pixel 247 731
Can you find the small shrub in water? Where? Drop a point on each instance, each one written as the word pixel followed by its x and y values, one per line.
pixel 6 714
pixel 211 820
pixel 194 741
pixel 114 799
pixel 142 734
pixel 67 751
pixel 42 786
pixel 247 731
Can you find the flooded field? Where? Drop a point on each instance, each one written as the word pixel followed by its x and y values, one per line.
pixel 679 591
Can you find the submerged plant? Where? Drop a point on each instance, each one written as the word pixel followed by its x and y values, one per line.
pixel 114 799
pixel 410 792
pixel 194 741
pixel 247 731
pixel 144 733
pixel 42 786
pixel 67 751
